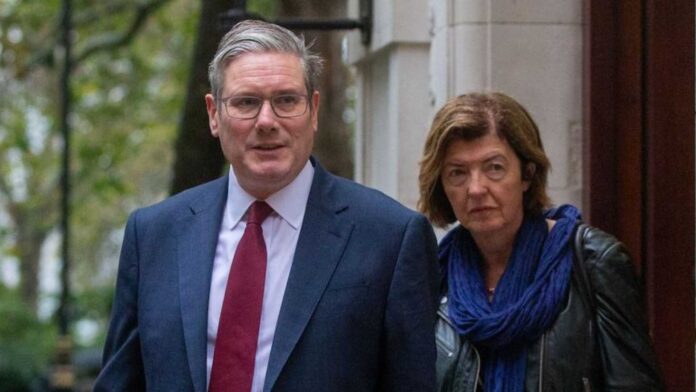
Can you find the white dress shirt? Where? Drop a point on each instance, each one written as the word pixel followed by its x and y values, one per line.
pixel 281 231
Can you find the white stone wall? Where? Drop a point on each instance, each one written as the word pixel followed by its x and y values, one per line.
pixel 393 97
pixel 426 51
pixel 529 49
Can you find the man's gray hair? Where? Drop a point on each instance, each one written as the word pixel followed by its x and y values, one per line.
pixel 254 36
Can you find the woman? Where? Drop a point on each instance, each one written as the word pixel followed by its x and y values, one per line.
pixel 524 307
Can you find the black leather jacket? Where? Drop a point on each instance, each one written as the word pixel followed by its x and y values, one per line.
pixel 599 342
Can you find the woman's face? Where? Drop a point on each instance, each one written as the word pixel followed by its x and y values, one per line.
pixel 482 179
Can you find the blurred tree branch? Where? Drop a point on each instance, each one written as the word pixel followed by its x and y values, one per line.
pixel 107 41
pixel 111 40
pixel 28 115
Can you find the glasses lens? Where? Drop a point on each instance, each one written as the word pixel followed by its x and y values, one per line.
pixel 289 105
pixel 243 107
pixel 247 107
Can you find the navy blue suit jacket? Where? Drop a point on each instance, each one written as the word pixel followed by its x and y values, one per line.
pixel 357 315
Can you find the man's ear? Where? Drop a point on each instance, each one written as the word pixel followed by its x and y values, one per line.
pixel 213 120
pixel 315 110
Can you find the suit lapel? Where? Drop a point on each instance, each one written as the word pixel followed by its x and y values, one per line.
pixel 322 240
pixel 196 241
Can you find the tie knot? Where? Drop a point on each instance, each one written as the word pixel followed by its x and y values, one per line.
pixel 258 212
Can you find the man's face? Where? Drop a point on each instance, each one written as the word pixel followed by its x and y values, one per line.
pixel 266 152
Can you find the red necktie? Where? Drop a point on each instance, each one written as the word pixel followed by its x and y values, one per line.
pixel 238 329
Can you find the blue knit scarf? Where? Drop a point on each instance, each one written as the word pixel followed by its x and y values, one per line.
pixel 527 299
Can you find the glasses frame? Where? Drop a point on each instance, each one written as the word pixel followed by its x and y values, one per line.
pixel 223 102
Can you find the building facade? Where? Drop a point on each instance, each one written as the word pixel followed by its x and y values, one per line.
pixel 611 86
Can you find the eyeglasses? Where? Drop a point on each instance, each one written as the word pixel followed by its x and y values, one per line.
pixel 245 107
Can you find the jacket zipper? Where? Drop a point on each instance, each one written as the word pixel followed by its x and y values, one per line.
pixel 586 384
pixel 541 361
pixel 478 369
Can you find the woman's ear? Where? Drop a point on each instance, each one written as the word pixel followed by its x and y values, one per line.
pixel 528 175
pixel 529 171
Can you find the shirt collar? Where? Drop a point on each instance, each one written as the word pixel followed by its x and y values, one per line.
pixel 289 203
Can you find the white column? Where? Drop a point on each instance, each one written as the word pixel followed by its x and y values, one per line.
pixel 425 51
pixel 393 103
pixel 529 49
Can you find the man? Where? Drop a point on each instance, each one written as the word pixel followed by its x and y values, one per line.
pixel 279 276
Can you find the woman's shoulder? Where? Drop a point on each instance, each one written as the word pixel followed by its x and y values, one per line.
pixel 596 246
pixel 605 258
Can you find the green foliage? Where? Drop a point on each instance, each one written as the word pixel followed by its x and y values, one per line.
pixel 26 344
pixel 125 110
pixel 126 102
pixel 265 8
pixel 91 305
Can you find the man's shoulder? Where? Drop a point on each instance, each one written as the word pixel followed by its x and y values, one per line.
pixel 366 201
pixel 198 196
